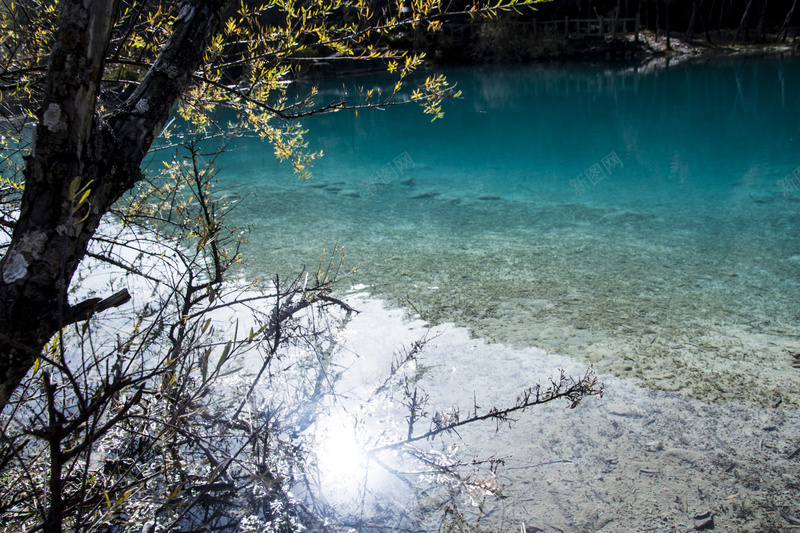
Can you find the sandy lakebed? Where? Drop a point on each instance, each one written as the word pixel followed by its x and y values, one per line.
pixel 634 460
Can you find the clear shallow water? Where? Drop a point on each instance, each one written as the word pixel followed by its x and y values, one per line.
pixel 679 266
pixel 635 460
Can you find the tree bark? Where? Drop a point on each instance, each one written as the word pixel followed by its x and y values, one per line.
pixel 690 29
pixel 74 147
pixel 762 21
pixel 787 20
pixel 669 45
pixel 705 26
pixel 743 23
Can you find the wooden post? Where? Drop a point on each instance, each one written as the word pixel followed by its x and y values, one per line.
pixel 636 25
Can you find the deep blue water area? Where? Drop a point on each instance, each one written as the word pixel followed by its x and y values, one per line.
pixel 636 218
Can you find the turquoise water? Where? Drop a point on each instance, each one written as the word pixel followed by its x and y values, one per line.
pixel 629 218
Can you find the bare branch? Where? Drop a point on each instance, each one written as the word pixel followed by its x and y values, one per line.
pixel 567 388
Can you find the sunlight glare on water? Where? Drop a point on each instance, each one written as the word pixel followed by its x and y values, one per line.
pixel 340 455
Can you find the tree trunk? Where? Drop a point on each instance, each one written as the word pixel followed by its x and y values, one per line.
pixel 711 11
pixel 705 26
pixel 762 20
pixel 690 29
pixel 47 239
pixel 697 12
pixel 743 23
pixel 787 20
pixel 75 148
pixel 669 46
pixel 658 24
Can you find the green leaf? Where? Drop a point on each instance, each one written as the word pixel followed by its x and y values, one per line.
pixel 224 356
pixel 204 363
pixel 177 490
pixel 73 187
pixel 79 203
pixel 259 331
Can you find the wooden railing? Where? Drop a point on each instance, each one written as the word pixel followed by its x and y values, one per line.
pixel 566 26
pixel 594 26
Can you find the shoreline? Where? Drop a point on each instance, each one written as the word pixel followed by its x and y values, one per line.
pixel 650 51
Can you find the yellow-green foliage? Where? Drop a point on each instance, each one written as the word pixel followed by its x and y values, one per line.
pixel 247 64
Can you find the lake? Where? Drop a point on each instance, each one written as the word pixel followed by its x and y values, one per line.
pixel 641 220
